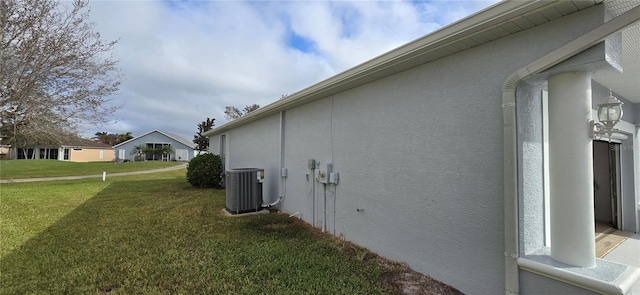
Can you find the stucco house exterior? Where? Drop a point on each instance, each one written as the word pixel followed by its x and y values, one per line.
pixel 5 152
pixel 184 150
pixel 468 153
pixel 74 150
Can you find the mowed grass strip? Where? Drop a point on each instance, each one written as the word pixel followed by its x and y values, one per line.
pixel 157 235
pixel 26 209
pixel 14 169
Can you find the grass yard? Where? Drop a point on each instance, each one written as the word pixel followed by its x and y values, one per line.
pixel 13 169
pixel 154 234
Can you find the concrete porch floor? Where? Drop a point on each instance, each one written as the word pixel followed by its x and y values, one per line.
pixel 627 253
pixel 608 238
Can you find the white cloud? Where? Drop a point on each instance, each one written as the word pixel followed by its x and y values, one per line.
pixel 185 61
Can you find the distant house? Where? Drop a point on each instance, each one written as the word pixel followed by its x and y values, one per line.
pixel 75 150
pixel 5 152
pixel 184 150
pixel 468 153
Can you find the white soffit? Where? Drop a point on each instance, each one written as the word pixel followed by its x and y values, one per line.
pixel 626 84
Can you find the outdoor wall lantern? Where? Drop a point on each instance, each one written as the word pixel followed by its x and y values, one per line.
pixel 609 114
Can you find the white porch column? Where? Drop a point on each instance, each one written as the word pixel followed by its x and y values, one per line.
pixel 571 169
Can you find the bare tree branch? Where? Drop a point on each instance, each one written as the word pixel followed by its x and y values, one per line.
pixel 55 71
pixel 232 113
pixel 251 108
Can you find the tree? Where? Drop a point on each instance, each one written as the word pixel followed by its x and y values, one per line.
pixel 166 150
pixel 148 150
pixel 124 137
pixel 201 141
pixel 138 151
pixel 55 71
pixel 251 108
pixel 112 138
pixel 232 113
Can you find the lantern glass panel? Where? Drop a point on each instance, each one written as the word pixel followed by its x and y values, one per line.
pixel 609 113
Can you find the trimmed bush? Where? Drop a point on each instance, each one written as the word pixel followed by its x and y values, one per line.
pixel 205 170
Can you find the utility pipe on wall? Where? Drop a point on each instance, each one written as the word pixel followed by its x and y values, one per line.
pixel 282 184
pixel 324 207
pixel 313 195
pixel 334 209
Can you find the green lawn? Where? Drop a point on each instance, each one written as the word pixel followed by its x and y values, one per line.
pixel 13 169
pixel 154 234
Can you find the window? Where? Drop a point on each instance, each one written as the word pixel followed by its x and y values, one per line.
pixel 25 153
pixel 156 153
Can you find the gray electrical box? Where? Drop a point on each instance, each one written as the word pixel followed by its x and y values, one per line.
pixel 312 164
pixel 334 177
pixel 324 171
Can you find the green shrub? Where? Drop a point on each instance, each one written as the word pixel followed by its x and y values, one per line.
pixel 205 170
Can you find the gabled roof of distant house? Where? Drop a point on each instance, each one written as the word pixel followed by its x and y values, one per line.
pixel 167 134
pixel 497 21
pixel 85 143
pixel 73 142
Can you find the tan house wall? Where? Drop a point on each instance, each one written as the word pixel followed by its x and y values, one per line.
pixel 91 155
pixel 5 152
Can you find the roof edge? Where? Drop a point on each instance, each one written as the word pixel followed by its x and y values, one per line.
pixel 172 136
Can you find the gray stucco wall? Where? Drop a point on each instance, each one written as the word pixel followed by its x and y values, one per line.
pixel 257 145
pixel 214 144
pixel 530 167
pixel 419 155
pixel 627 183
pixel 155 137
pixel 308 136
pixel 430 191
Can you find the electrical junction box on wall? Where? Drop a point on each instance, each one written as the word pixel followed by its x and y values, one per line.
pixel 312 164
pixel 334 177
pixel 284 173
pixel 324 171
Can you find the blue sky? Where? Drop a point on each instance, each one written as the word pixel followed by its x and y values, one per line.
pixel 184 61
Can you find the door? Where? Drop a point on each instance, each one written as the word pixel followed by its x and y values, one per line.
pixel 606 186
pixel 182 154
